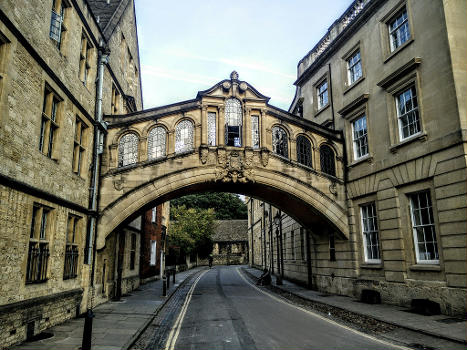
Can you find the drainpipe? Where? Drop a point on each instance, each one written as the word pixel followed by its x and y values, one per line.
pixel 332 100
pixel 271 240
pixel 281 245
pixel 93 192
pixel 308 261
pixel 252 233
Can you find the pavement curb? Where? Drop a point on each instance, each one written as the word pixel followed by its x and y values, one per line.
pixel 146 324
pixel 363 316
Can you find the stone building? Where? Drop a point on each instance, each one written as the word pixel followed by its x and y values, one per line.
pixel 63 64
pixel 230 242
pixel 391 75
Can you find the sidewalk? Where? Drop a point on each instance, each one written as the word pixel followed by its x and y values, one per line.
pixel 440 326
pixel 116 324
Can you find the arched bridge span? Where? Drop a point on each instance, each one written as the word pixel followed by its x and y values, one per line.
pixel 226 139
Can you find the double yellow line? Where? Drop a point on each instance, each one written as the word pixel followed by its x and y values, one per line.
pixel 175 331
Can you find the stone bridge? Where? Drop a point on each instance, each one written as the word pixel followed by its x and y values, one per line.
pixel 226 139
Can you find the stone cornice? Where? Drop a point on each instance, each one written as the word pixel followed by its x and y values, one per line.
pixel 354 104
pixel 399 72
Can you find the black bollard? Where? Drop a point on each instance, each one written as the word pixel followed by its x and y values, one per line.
pixel 173 277
pixel 87 331
pixel 164 287
pixel 168 279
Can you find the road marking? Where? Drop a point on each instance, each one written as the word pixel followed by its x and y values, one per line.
pixel 319 316
pixel 175 331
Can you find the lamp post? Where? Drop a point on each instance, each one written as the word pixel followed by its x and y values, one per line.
pixel 277 221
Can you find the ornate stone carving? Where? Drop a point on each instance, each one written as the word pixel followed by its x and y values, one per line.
pixel 236 168
pixel 234 75
pixel 119 181
pixel 243 86
pixel 264 156
pixel 333 188
pixel 226 85
pixel 203 153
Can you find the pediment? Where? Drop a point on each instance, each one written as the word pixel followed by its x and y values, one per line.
pixel 233 87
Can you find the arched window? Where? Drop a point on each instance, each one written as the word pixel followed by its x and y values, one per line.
pixel 233 122
pixel 304 151
pixel 326 156
pixel 128 150
pixel 156 142
pixel 279 141
pixel 184 136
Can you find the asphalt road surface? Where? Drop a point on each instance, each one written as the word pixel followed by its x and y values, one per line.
pixel 224 310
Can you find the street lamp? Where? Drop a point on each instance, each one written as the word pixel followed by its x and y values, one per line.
pixel 277 221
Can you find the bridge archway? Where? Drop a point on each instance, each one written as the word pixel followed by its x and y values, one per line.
pixel 213 160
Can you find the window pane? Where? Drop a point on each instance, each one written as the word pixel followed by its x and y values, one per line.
pixel 184 136
pixel 303 151
pixel 423 227
pixel 370 232
pixel 279 141
pixel 156 143
pixel 128 150
pixel 212 129
pixel 326 155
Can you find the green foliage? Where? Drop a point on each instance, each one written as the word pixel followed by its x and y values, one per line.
pixel 227 206
pixel 191 230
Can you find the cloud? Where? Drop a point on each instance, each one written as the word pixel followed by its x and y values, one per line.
pixel 178 75
pixel 237 62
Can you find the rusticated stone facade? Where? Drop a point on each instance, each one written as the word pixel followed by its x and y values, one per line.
pixel 388 74
pixel 47 97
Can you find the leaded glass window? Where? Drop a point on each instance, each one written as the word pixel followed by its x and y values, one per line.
pixel 156 142
pixel 255 131
pixel 184 136
pixel 423 225
pixel 212 128
pixel 233 122
pixel 326 155
pixel 370 233
pixel 279 141
pixel 128 150
pixel 303 151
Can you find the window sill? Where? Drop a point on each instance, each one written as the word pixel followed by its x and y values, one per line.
pixel 427 267
pixel 355 83
pixel 367 158
pixel 399 49
pixel 372 266
pixel 322 109
pixel 421 136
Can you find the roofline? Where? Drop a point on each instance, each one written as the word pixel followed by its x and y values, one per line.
pixel 336 43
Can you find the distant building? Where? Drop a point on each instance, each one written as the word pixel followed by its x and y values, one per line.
pixel 230 242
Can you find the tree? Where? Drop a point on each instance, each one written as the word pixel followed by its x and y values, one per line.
pixel 227 206
pixel 191 230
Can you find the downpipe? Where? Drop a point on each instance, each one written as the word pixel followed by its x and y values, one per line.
pixel 92 233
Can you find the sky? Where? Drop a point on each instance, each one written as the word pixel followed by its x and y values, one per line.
pixel 189 46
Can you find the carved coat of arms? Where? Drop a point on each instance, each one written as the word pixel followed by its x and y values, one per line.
pixel 235 168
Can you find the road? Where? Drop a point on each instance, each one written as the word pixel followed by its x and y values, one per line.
pixel 224 310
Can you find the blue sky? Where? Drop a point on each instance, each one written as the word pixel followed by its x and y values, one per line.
pixel 188 46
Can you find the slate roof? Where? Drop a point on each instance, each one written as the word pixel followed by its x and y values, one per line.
pixel 230 231
pixel 109 14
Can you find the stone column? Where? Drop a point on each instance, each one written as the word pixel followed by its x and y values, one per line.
pixel 171 142
pixel 221 127
pixel 204 125
pixel 262 125
pixel 247 128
